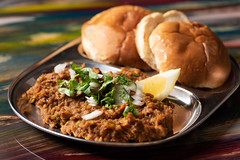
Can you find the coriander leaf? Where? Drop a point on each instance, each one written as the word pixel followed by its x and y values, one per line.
pixel 91 73
pixel 87 91
pixel 123 80
pixel 136 74
pixel 76 68
pixel 73 84
pixel 84 73
pixel 67 87
pixel 131 109
pixel 61 83
pixel 67 91
pixel 108 100
pixel 112 91
pixel 107 80
pixel 82 86
pixel 127 110
pixel 124 95
pixel 106 75
pixel 108 92
pixel 135 112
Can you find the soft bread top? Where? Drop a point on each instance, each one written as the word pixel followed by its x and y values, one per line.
pixel 179 43
pixel 109 36
pixel 145 28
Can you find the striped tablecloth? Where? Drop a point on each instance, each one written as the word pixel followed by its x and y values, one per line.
pixel 30 30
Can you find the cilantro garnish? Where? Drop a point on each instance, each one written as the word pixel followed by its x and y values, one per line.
pixel 108 91
pixel 85 73
pixel 136 74
pixel 68 87
pixel 68 92
pixel 108 80
pixel 124 95
pixel 104 93
pixel 123 80
pixel 131 109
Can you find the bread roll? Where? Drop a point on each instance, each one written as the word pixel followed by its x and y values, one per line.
pixel 191 46
pixel 145 28
pixel 109 36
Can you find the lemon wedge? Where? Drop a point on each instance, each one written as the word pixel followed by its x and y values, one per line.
pixel 161 85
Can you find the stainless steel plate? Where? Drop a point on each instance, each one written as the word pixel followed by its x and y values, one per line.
pixel 197 104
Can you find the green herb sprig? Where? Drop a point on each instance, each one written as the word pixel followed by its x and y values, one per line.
pixel 124 95
pixel 105 94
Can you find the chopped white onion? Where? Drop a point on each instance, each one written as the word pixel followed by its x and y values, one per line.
pixel 92 115
pixel 131 87
pixel 100 75
pixel 72 73
pixel 94 84
pixel 137 102
pixel 59 68
pixel 91 101
pixel 139 93
pixel 138 96
pixel 139 86
pixel 137 99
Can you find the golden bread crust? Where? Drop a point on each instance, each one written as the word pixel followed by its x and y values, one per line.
pixel 193 47
pixel 109 36
pixel 169 41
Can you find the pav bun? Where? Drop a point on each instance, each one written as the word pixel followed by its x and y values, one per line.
pixel 109 36
pixel 177 42
pixel 145 28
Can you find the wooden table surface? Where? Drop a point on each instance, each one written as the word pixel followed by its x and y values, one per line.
pixel 31 30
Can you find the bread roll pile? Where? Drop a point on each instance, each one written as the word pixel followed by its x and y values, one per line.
pixel 134 36
pixel 109 36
